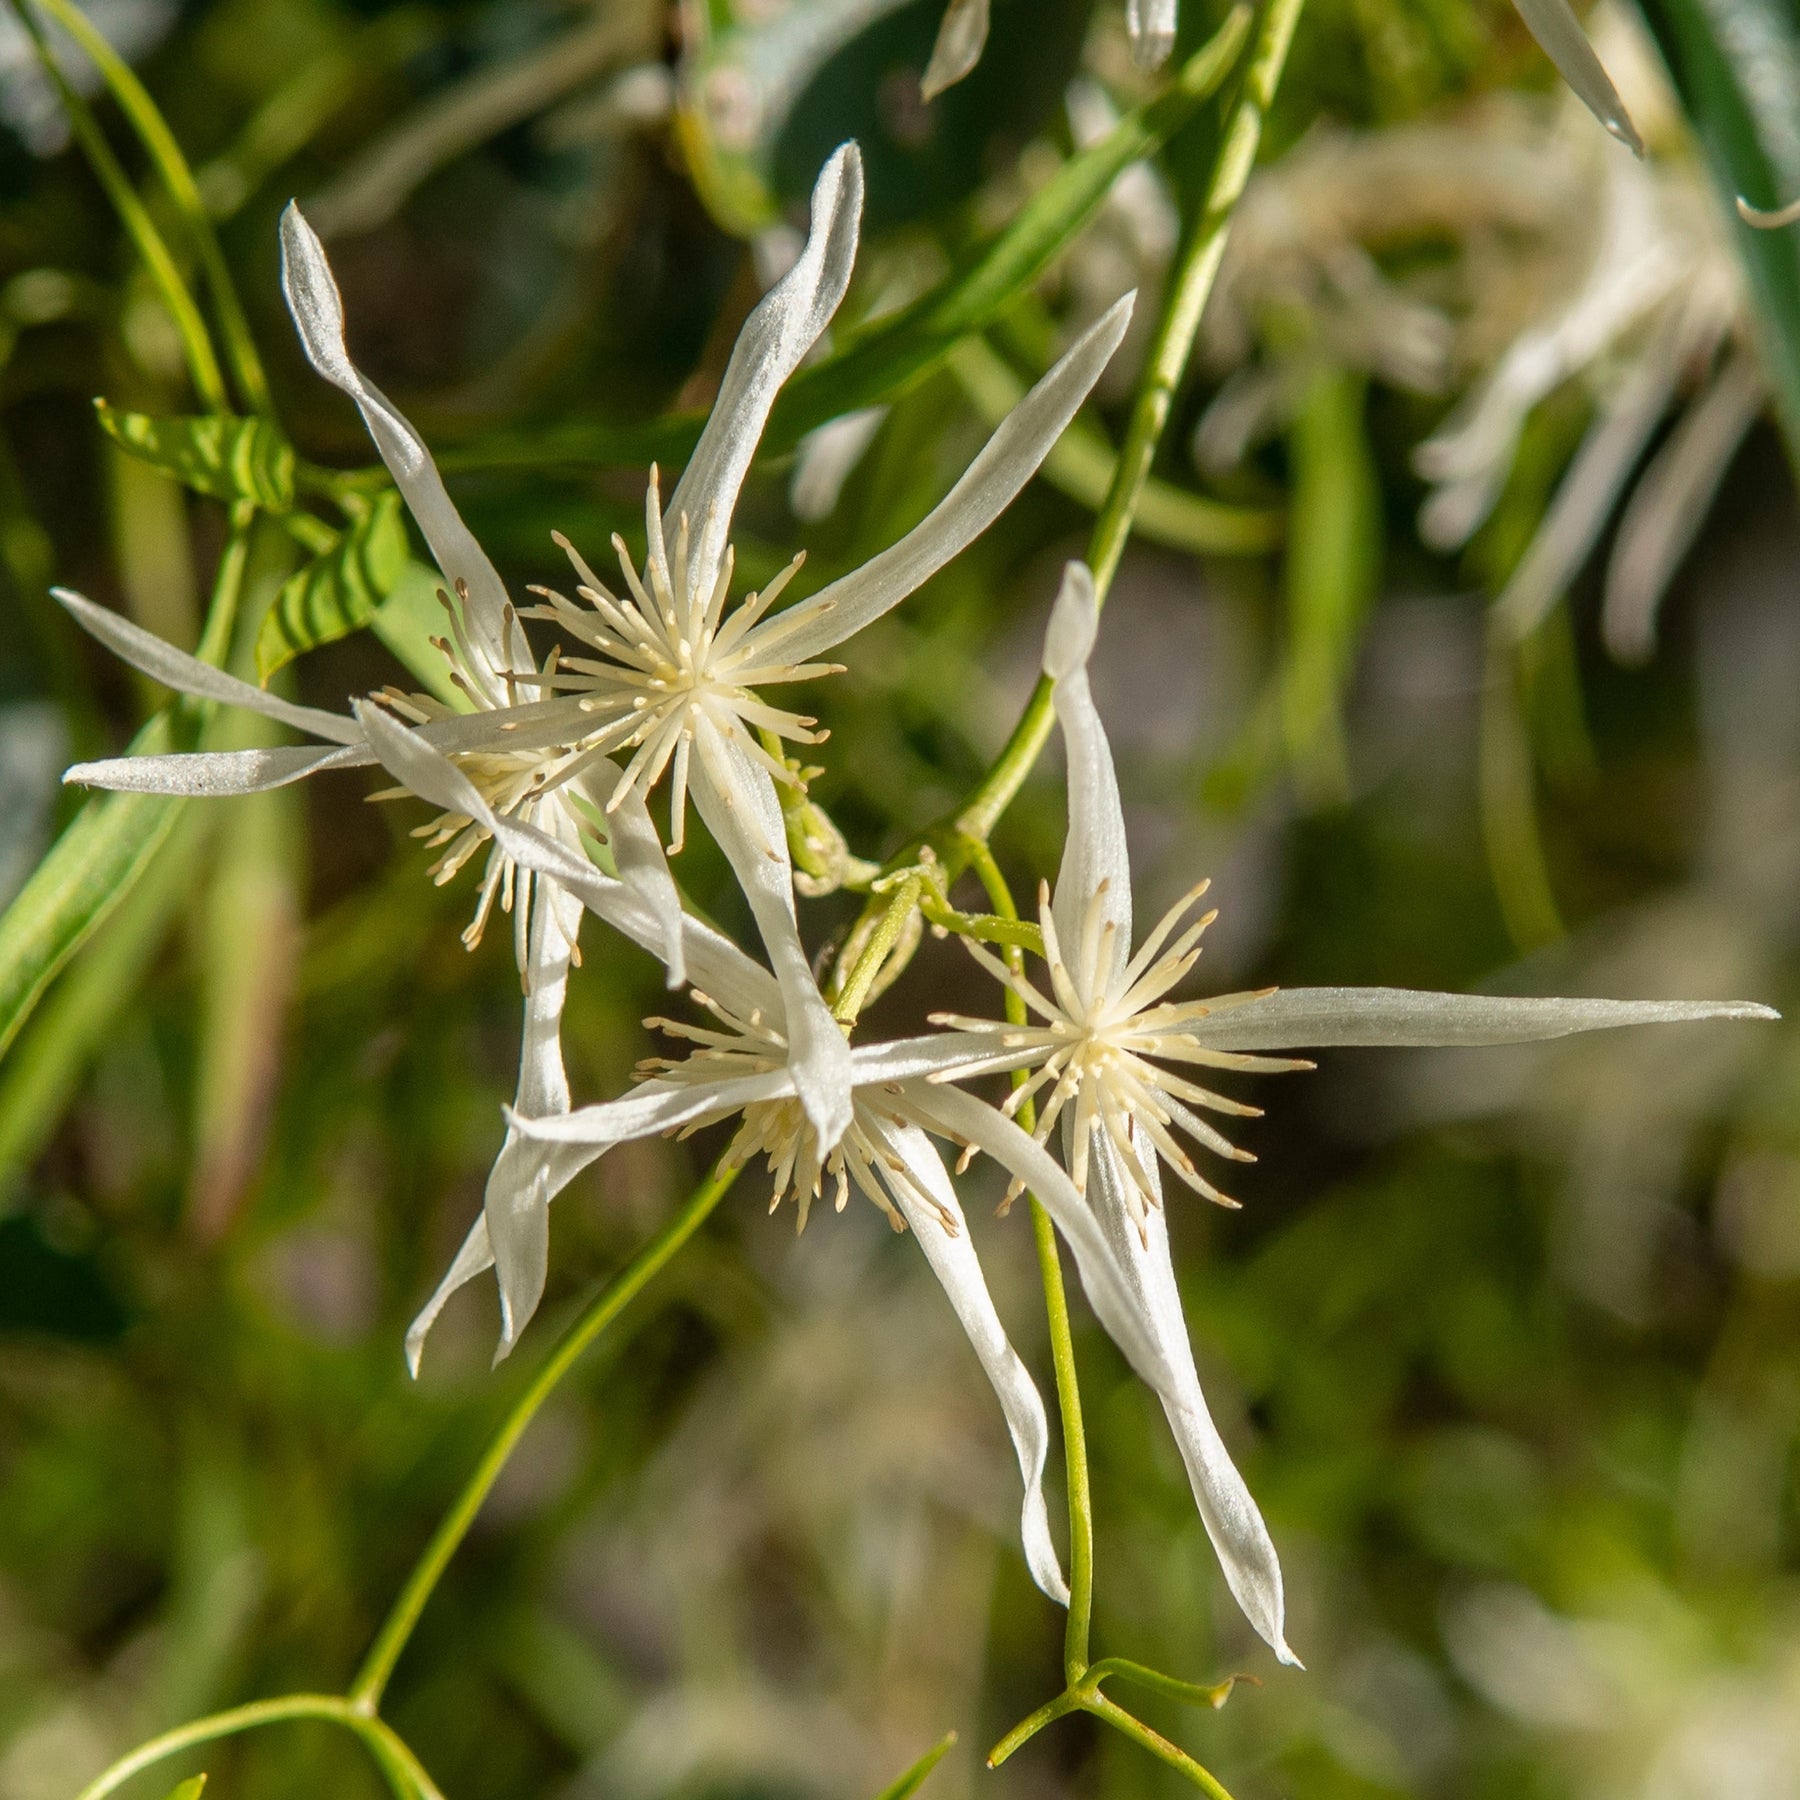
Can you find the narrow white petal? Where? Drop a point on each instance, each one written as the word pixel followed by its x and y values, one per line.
pixel 1007 461
pixel 1151 24
pixel 826 459
pixel 208 773
pixel 952 1113
pixel 1094 851
pixel 1318 1018
pixel 654 1107
pixel 938 1053
pixel 1558 32
pixel 953 1260
pixel 960 41
pixel 710 957
pixel 1231 1516
pixel 1671 503
pixel 785 325
pixel 318 310
pixel 736 798
pixel 472 1259
pixel 189 675
pixel 637 850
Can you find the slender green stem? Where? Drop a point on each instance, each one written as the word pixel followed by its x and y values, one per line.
pixel 1028 1727
pixel 228 587
pixel 877 950
pixel 1062 1338
pixel 372 1678
pixel 396 1762
pixel 1196 271
pixel 159 142
pixel 203 363
pixel 1159 1746
pixel 1194 1693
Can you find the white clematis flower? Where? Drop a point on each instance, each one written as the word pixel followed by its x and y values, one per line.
pixel 743 1067
pixel 1099 1041
pixel 669 674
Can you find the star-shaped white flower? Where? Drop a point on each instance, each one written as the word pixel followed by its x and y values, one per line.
pixel 743 1068
pixel 669 672
pixel 1100 1041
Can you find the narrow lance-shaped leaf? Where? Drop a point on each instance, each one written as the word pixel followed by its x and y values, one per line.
pixel 228 458
pixel 339 592
pixel 1737 69
pixel 884 358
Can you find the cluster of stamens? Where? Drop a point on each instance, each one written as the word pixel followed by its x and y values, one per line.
pixel 778 1130
pixel 1091 1042
pixel 672 674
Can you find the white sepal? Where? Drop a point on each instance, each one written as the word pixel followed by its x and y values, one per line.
pixel 1318 1018
pixel 784 326
pixel 1007 461
pixel 211 773
pixel 961 38
pixel 929 1204
pixel 1560 36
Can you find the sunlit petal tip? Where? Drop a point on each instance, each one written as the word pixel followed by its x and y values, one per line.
pixel 1151 27
pixel 312 296
pixel 1560 35
pixel 1074 623
pixel 960 40
pixel 1775 219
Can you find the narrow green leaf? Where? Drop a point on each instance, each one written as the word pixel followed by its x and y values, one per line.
pixel 888 356
pixel 39 1076
pixel 914 1778
pixel 226 457
pixel 338 592
pixel 74 889
pixel 189 1789
pixel 1736 64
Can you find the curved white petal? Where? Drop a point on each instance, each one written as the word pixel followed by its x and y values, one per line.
pixel 516 1203
pixel 951 1113
pixel 1231 1516
pixel 961 38
pixel 1558 32
pixel 1319 1018
pixel 711 958
pixel 472 1259
pixel 736 798
pixel 1151 25
pixel 1007 461
pixel 928 1202
pixel 785 325
pixel 1094 850
pixel 189 675
pixel 654 1107
pixel 318 310
pixel 209 773
pixel 939 1053
pixel 637 851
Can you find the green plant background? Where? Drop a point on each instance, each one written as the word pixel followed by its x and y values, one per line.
pixel 1507 1343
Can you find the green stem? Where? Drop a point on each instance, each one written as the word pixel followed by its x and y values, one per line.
pixel 1062 1337
pixel 1159 1746
pixel 384 1653
pixel 159 142
pixel 1026 1729
pixel 877 950
pixel 203 363
pixel 390 1754
pixel 1192 286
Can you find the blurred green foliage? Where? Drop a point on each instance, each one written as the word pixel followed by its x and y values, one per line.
pixel 1507 1343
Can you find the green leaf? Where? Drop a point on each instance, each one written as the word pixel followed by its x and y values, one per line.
pixel 337 592
pixel 88 871
pixel 189 1789
pixel 914 1778
pixel 885 357
pixel 226 457
pixel 1736 64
